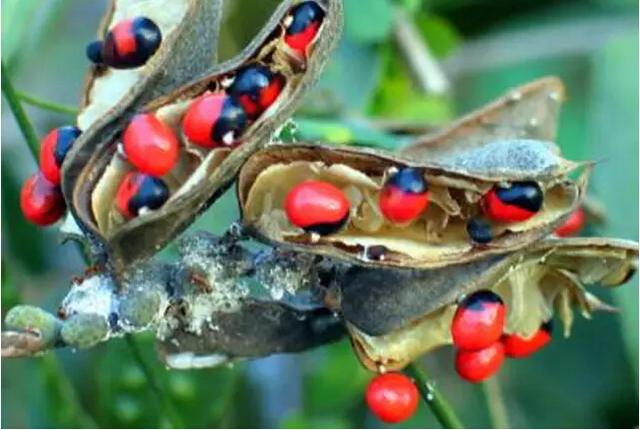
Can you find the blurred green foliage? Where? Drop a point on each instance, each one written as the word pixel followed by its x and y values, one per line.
pixel 485 46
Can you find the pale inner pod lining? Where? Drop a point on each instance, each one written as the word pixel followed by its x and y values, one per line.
pixel 439 232
pixel 111 85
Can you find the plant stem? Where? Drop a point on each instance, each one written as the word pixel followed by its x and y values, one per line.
pixel 434 398
pixel 69 409
pixel 166 405
pixel 13 100
pixel 46 104
pixel 230 398
pixel 495 403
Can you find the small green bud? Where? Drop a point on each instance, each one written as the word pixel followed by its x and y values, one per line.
pixel 84 330
pixel 35 320
pixel 139 307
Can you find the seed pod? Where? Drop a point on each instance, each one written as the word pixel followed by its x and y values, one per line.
pixel 34 320
pixel 393 316
pixel 438 236
pixel 202 173
pixel 255 329
pixel 139 308
pixel 84 330
pixel 110 96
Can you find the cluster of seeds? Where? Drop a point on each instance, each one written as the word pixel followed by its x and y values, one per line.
pixel 41 200
pixel 322 208
pixel 151 149
pixel 216 119
pixel 161 148
pixel 477 331
pixel 129 44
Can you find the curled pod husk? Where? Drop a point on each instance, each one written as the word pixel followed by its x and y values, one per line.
pixel 256 328
pixel 200 175
pixel 439 236
pixel 393 316
pixel 526 112
pixel 189 31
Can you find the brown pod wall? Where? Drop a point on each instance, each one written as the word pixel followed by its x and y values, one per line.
pixel 438 237
pixel 529 111
pixel 200 175
pixel 390 327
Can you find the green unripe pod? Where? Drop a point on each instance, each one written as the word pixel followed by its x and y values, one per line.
pixel 35 320
pixel 84 330
pixel 139 307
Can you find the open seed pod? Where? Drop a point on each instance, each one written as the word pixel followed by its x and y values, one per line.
pixel 202 170
pixel 393 316
pixel 189 32
pixel 439 236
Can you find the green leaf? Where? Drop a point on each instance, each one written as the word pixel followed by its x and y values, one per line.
pixel 25 24
pixel 441 36
pixel 346 133
pixel 348 82
pixel 398 98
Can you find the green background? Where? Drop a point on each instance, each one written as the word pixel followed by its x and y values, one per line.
pixel 485 47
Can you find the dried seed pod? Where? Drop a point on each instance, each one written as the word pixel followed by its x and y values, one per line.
pixel 393 316
pixel 439 236
pixel 255 329
pixel 189 47
pixel 527 112
pixel 202 173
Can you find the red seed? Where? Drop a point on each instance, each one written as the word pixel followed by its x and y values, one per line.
pixel 478 321
pixel 53 150
pixel 150 145
pixel 517 202
pixel 305 22
pixel 41 201
pixel 124 38
pixel 317 206
pixel 573 224
pixel 400 207
pixel 48 165
pixel 256 87
pixel 214 120
pixel 129 44
pixel 478 365
pixel 137 191
pixel 405 195
pixel 392 397
pixel 518 347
